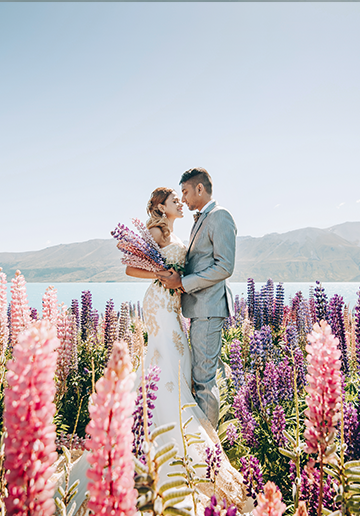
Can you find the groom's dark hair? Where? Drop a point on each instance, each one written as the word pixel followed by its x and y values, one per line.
pixel 196 176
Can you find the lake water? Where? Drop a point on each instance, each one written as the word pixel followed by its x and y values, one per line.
pixel 134 291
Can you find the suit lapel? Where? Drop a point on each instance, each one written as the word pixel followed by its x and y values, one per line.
pixel 197 226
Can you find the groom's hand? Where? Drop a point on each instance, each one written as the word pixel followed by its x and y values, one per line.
pixel 173 281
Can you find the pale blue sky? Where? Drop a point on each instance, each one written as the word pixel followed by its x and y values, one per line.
pixel 103 102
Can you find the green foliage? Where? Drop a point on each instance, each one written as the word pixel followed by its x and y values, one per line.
pixel 67 494
pixel 73 404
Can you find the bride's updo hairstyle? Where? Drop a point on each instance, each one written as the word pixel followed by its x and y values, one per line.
pixel 156 218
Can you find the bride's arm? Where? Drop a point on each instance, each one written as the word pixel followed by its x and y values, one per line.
pixel 139 273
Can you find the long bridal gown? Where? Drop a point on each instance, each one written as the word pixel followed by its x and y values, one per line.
pixel 167 345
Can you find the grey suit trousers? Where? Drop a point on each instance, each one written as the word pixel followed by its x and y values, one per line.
pixel 205 338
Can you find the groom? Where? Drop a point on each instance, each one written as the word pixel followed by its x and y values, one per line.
pixel 207 298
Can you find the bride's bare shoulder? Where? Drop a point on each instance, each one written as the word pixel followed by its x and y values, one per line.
pixel 157 235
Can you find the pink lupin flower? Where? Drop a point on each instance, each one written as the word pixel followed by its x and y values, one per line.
pixel 4 329
pixel 269 502
pixel 111 474
pixel 67 351
pixel 49 305
pixel 29 411
pixel 20 312
pixel 324 388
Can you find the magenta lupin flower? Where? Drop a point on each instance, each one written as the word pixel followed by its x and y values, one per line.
pixel 29 411
pixel 270 502
pixel 111 474
pixel 324 388
pixel 50 305
pixel 20 312
pixel 4 329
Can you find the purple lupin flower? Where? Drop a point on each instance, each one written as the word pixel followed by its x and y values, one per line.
pixel 213 462
pixel 251 297
pixel 258 312
pixel 76 312
pixel 329 494
pixel 231 434
pixel 286 380
pixel 33 314
pixel 236 365
pixel 357 331
pixel 278 425
pixel 243 413
pixel 151 379
pixel 86 309
pixel 253 479
pixel 110 331
pixel 215 509
pixel 270 384
pixel 124 321
pixel 338 328
pixel 299 362
pixel 291 338
pixel 321 303
pixel 351 431
pixel 279 307
pixel 95 320
pixel 304 320
pixel 269 302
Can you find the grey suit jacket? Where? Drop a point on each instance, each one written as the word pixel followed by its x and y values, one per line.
pixel 209 262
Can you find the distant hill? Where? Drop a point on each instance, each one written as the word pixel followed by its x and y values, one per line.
pixel 307 254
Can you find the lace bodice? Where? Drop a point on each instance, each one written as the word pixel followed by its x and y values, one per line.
pixel 175 253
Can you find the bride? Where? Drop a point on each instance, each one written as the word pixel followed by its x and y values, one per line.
pixel 168 345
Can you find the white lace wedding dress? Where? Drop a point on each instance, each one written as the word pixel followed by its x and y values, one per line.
pixel 167 346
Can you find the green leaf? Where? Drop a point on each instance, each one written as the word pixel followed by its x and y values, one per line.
pixel 143 480
pixel 184 475
pixel 74 485
pixel 177 493
pixel 176 463
pixel 199 465
pixel 326 511
pixel 67 454
pixel 61 491
pixel 223 411
pixel 164 449
pixel 330 450
pixel 352 464
pixel 164 458
pixel 291 455
pixel 171 485
pixel 195 441
pixel 161 430
pixel 72 510
pixel 139 466
pixel 289 437
pixel 144 500
pixel 176 511
pixel 194 436
pixel 187 422
pixel 331 472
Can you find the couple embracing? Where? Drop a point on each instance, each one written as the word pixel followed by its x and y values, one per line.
pixel 206 300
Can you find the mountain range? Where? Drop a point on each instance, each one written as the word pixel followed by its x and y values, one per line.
pixel 308 254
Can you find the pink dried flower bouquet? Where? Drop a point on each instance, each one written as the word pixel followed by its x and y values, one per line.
pixel 111 474
pixel 29 411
